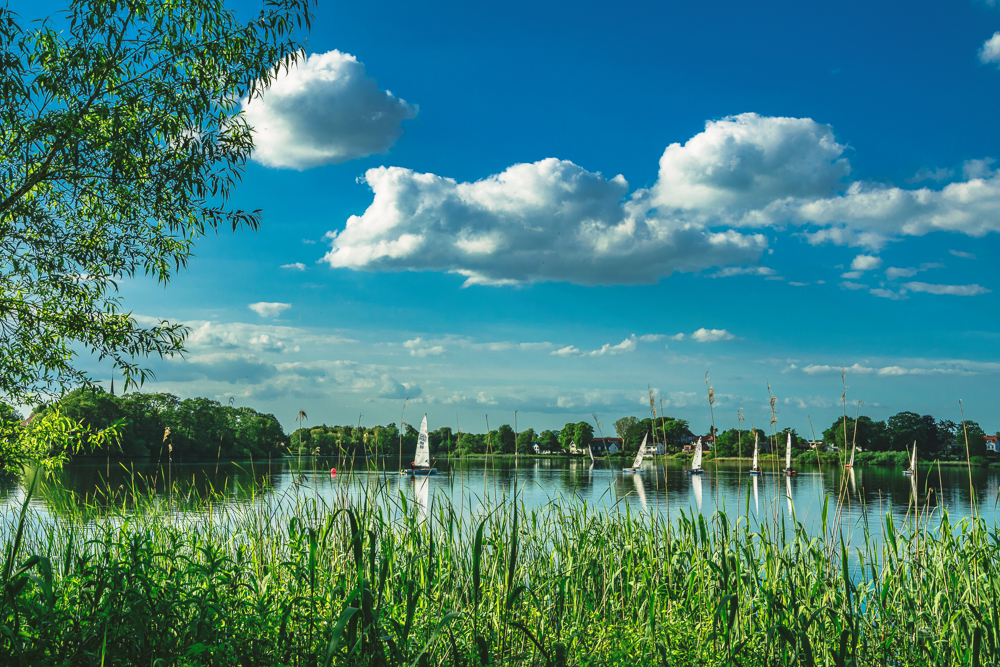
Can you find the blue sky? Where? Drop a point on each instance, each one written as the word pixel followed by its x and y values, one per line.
pixel 561 204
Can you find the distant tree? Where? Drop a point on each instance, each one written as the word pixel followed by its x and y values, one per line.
pixel 932 445
pixel 504 441
pixel 869 435
pixel 440 440
pixel 905 428
pixel 976 436
pixel 583 434
pixel 470 443
pixel 566 435
pixel 623 425
pixel 548 440
pixel 525 440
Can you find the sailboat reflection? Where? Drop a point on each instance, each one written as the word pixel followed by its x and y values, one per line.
pixel 756 499
pixel 696 485
pixel 421 495
pixel 854 486
pixel 788 493
pixel 640 490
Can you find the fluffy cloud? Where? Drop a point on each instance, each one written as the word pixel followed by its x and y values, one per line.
pixel 391 388
pixel 555 221
pixel 324 110
pixel 297 266
pixel 865 263
pixel 954 290
pixel 746 162
pixel 419 348
pixel 711 335
pixel 550 220
pixel 269 308
pixel 989 52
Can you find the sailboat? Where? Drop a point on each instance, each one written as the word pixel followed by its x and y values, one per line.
pixel 590 450
pixel 913 461
pixel 755 468
pixel 788 457
pixel 850 464
pixel 422 460
pixel 696 485
pixel 638 457
pixel 696 462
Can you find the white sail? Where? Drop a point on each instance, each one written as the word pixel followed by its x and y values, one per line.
pixel 696 485
pixel 788 453
pixel 642 450
pixel 755 449
pixel 590 450
pixel 423 456
pixel 696 463
pixel 913 461
pixel 852 454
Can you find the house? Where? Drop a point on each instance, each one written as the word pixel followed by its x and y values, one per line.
pixel 818 444
pixel 602 446
pixel 991 444
pixel 705 447
pixel 654 449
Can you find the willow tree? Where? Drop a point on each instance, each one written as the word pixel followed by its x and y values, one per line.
pixel 121 140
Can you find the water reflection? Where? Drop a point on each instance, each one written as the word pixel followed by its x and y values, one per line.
pixel 473 485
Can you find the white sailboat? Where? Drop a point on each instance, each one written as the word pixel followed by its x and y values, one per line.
pixel 755 468
pixel 913 461
pixel 422 459
pixel 638 457
pixel 788 457
pixel 696 462
pixel 590 450
pixel 696 485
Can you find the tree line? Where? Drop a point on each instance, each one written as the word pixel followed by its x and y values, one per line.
pixel 163 426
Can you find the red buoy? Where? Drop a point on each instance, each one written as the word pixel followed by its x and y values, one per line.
pixel 333 471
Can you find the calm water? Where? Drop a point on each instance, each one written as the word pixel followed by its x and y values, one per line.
pixel 474 485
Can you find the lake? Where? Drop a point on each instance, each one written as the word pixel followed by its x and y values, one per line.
pixel 477 485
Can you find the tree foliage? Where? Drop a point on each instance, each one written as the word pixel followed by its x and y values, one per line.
pixel 121 139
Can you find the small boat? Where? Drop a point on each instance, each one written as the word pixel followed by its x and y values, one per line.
pixel 850 464
pixel 422 460
pixel 788 457
pixel 590 450
pixel 696 464
pixel 755 468
pixel 638 457
pixel 913 461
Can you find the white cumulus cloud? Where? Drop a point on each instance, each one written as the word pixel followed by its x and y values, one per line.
pixel 865 263
pixel 324 110
pixel 419 348
pixel 989 52
pixel 711 335
pixel 269 308
pixel 553 220
pixel 954 290
pixel 546 221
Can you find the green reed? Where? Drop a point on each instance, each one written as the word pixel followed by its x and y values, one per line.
pixel 379 579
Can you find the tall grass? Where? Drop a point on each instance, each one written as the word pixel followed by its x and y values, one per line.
pixel 383 580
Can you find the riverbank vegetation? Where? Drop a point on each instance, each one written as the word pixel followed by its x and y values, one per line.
pixel 395 580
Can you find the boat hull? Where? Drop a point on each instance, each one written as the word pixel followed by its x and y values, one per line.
pixel 419 472
pixel 790 473
pixel 631 469
pixel 695 472
pixel 907 472
pixel 755 472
